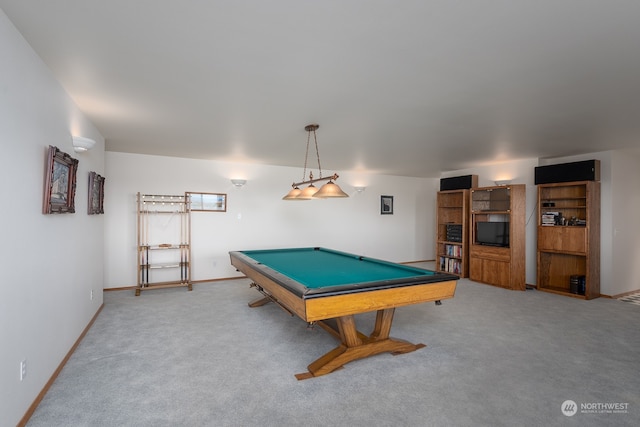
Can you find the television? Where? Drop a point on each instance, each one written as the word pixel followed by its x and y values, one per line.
pixel 492 233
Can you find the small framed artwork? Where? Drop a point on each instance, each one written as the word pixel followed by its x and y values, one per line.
pixel 59 182
pixel 96 194
pixel 207 202
pixel 386 205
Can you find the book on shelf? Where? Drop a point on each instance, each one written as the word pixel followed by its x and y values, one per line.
pixel 453 251
pixel 450 265
pixel 454 232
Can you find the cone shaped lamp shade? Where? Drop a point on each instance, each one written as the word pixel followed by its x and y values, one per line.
pixel 307 193
pixel 330 190
pixel 293 194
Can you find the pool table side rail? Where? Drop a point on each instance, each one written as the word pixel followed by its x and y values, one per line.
pixel 285 297
pixel 240 259
pixel 349 304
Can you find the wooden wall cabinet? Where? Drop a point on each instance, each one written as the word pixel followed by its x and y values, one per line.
pixel 452 232
pixel 569 238
pixel 163 238
pixel 498 263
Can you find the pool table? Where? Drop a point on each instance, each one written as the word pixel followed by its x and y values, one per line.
pixel 328 287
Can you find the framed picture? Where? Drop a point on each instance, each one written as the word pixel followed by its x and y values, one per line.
pixel 386 205
pixel 207 202
pixel 60 182
pixel 96 194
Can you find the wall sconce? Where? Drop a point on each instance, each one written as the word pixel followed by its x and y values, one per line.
pixel 503 182
pixel 82 144
pixel 238 182
pixel 359 189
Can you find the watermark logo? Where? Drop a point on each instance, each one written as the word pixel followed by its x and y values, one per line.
pixel 569 408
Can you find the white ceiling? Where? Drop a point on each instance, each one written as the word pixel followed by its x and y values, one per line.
pixel 410 87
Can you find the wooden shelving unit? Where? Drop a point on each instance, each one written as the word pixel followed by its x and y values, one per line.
pixel 452 232
pixel 163 238
pixel 569 238
pixel 503 264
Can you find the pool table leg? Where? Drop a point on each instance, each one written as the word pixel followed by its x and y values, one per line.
pixel 259 302
pixel 355 345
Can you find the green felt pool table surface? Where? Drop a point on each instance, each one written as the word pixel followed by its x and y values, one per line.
pixel 320 267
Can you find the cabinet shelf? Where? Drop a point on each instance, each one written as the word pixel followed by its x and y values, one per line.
pixel 165 248
pixel 159 212
pixel 559 251
pixel 163 265
pixel 563 291
pixel 504 214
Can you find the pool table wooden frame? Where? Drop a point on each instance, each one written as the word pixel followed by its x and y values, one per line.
pixel 354 344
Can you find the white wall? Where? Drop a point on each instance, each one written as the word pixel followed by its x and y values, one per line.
pixel 353 224
pixel 625 232
pixel 50 263
pixel 257 217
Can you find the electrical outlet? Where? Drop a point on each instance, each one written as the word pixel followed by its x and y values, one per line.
pixel 23 369
pixel 91 295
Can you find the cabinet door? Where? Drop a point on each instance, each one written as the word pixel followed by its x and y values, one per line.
pixel 491 271
pixel 562 239
pixel 475 269
pixel 496 273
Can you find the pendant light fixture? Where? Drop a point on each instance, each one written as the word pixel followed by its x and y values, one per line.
pixel 328 190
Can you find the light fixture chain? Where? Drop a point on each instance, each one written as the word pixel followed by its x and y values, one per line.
pixel 306 156
pixel 315 138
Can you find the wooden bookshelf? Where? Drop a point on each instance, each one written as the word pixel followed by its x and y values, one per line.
pixel 452 235
pixel 569 238
pixel 501 265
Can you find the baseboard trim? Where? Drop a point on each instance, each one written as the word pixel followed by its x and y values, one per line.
pixel 625 294
pixel 122 288
pixel 219 280
pixel 25 419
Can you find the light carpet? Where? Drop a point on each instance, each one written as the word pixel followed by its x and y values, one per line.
pixel 494 357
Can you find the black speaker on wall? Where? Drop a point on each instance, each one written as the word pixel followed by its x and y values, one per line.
pixel 587 170
pixel 459 182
